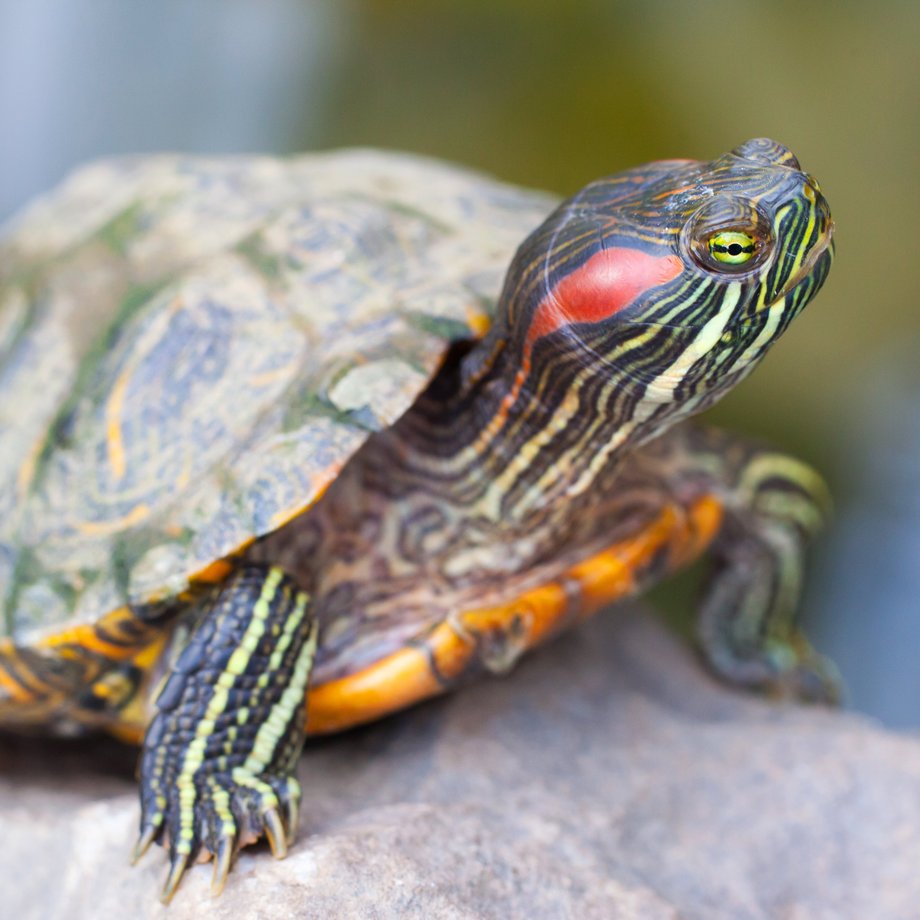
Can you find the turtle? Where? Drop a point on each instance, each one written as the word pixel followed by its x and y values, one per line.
pixel 281 452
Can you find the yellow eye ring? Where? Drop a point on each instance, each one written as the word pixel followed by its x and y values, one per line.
pixel 728 238
pixel 732 247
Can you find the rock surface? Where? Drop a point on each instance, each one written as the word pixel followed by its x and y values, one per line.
pixel 608 777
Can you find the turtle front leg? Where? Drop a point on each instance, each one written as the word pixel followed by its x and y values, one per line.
pixel 773 506
pixel 217 768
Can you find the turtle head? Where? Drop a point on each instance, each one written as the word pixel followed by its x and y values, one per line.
pixel 661 287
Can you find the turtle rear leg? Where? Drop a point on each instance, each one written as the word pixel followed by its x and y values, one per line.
pixel 217 768
pixel 747 624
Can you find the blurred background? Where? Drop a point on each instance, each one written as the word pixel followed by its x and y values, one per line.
pixel 553 95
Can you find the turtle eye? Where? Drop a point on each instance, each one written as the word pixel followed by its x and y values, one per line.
pixel 728 237
pixel 732 247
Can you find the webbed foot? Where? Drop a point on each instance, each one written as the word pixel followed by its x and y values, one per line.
pixel 215 815
pixel 786 667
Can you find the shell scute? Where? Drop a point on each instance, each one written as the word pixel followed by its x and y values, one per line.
pixel 190 350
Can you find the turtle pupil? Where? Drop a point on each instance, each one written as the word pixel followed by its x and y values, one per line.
pixel 731 249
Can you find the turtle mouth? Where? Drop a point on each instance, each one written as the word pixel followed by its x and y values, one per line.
pixel 824 245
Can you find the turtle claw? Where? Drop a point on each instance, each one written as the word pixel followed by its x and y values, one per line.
pixel 813 678
pixel 227 811
pixel 275 832
pixel 222 862
pixel 291 802
pixel 148 835
pixel 176 870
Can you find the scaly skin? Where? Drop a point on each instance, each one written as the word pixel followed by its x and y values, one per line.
pixel 547 470
pixel 217 770
pixel 753 497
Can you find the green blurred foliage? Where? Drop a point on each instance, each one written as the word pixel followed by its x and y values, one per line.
pixel 553 94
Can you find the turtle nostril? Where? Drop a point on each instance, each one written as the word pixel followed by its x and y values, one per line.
pixel 764 150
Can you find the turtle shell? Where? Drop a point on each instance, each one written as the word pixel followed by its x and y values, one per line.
pixel 192 348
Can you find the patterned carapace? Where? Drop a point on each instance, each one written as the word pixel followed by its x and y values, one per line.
pixel 266 426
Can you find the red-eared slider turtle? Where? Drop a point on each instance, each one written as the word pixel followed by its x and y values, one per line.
pixel 266 427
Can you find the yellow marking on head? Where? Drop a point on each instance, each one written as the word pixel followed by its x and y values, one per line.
pixel 800 255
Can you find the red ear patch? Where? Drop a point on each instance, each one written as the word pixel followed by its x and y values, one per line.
pixel 609 281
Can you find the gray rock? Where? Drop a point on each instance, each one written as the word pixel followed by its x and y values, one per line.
pixel 607 777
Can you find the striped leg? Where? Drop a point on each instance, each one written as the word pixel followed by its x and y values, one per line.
pixel 747 623
pixel 219 756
